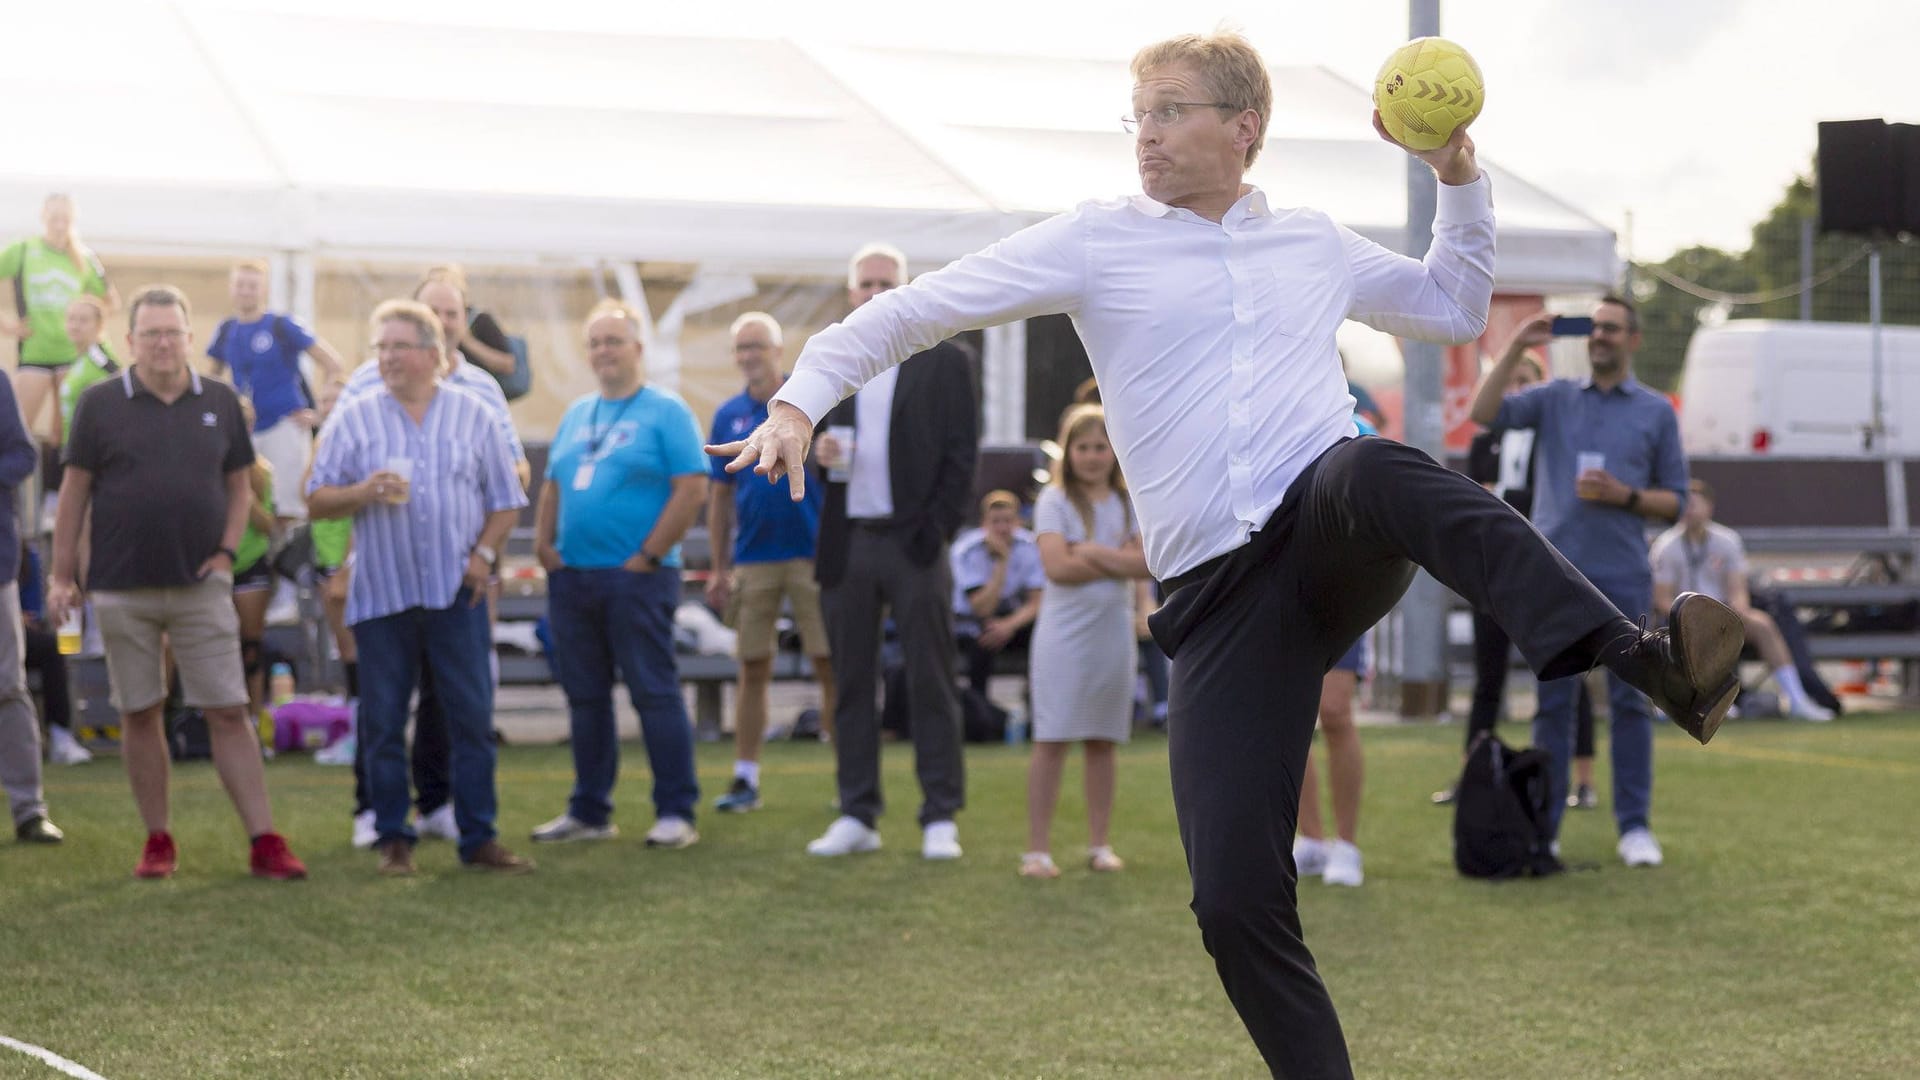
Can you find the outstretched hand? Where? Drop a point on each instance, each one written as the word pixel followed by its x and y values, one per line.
pixel 775 449
pixel 1453 163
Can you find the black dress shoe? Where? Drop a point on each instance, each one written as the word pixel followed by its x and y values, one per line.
pixel 1687 666
pixel 38 830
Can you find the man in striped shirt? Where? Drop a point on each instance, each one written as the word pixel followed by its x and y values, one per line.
pixel 432 789
pixel 427 474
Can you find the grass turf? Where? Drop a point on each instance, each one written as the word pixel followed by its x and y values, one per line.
pixel 1782 938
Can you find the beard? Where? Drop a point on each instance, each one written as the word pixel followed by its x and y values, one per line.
pixel 1605 361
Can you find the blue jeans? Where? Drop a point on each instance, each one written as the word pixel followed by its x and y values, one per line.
pixel 607 619
pixel 1631 726
pixel 454 642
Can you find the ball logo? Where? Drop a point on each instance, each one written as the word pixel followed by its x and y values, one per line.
pixel 1392 86
pixel 262 341
pixel 207 419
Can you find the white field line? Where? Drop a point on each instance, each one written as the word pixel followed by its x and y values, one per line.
pixel 73 1069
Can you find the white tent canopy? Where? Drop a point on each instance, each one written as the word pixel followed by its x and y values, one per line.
pixel 202 127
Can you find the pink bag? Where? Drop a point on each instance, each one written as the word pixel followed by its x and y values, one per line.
pixel 310 725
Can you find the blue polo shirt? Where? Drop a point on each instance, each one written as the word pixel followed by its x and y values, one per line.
pixel 768 526
pixel 1636 431
pixel 635 447
pixel 263 357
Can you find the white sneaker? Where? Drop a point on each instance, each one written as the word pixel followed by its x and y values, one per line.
pixel 340 753
pixel 64 749
pixel 846 836
pixel 940 840
pixel 672 832
pixel 1342 864
pixel 1801 710
pixel 566 828
pixel 438 825
pixel 1309 856
pixel 1639 848
pixel 364 834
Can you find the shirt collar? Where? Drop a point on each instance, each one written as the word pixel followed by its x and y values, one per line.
pixel 1627 386
pixel 133 385
pixel 1252 204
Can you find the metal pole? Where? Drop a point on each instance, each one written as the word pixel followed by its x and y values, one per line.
pixel 1806 269
pixel 1423 612
pixel 1877 428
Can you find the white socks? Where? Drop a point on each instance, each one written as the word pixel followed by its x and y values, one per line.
pixel 748 771
pixel 1789 679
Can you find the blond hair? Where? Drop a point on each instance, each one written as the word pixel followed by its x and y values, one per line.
pixel 877 248
pixel 253 266
pixel 760 319
pixel 1227 63
pixel 621 309
pixel 1075 422
pixel 999 499
pixel 420 316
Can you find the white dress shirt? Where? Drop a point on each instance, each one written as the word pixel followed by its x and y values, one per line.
pixel 1213 343
pixel 870 478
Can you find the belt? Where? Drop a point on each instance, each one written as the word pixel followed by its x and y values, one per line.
pixel 872 524
pixel 1196 575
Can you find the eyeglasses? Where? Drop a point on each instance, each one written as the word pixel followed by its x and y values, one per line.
pixel 151 337
pixel 381 348
pixel 607 342
pixel 1609 327
pixel 1166 114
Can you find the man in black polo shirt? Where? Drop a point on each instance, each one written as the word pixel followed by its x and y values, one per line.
pixel 162 456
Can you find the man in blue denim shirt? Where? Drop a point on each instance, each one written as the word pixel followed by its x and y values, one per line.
pixel 1606 461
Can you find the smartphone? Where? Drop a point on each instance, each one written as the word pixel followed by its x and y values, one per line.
pixel 1572 326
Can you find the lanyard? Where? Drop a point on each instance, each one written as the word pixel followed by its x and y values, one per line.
pixel 595 433
pixel 1696 558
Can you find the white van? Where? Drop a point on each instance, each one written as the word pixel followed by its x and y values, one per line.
pixel 1775 386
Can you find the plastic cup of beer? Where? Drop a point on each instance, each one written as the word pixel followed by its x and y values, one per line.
pixel 840 468
pixel 67 638
pixel 1589 461
pixel 403 468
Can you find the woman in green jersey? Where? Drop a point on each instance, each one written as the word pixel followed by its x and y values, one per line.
pixel 46 272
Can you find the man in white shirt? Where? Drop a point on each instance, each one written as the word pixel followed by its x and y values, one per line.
pixel 1704 556
pixel 1209 318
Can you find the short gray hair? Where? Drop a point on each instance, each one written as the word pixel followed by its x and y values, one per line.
pixel 620 309
pixel 420 317
pixel 762 319
pixel 868 251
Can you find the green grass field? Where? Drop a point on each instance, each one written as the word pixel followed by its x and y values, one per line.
pixel 1782 938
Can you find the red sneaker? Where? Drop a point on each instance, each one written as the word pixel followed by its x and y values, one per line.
pixel 272 859
pixel 158 859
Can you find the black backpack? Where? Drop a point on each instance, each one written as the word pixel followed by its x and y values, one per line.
pixel 1500 820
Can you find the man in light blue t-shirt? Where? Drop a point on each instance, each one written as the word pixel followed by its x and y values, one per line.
pixel 626 462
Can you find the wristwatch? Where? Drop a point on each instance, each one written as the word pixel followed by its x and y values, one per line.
pixel 1633 498
pixel 232 557
pixel 491 556
pixel 652 561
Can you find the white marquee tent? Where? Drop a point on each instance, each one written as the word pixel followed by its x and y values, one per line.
pixel 205 127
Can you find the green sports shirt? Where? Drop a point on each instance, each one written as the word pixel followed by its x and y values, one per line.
pixel 45 281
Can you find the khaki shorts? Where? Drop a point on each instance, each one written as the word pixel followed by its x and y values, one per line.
pixel 197 620
pixel 755 606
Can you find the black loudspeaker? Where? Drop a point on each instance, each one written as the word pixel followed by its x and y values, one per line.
pixel 1869 176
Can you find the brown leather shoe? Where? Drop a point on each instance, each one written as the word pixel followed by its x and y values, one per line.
pixel 396 858
pixel 494 856
pixel 1687 667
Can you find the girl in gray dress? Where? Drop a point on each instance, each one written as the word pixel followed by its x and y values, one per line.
pixel 1083 654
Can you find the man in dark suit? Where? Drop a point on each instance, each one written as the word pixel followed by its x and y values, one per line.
pixel 898 459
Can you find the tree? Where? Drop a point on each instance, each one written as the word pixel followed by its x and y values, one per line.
pixel 1771 262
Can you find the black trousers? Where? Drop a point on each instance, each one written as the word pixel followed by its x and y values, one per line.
pixel 1490 648
pixel 880 578
pixel 42 649
pixel 431 755
pixel 1250 645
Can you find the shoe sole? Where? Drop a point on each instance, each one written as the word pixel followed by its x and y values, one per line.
pixel 153 876
pixel 1707 638
pixel 736 808
pixel 674 845
pixel 862 850
pixel 574 837
pixel 281 876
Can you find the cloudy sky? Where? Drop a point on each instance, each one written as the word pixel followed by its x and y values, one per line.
pixel 1691 114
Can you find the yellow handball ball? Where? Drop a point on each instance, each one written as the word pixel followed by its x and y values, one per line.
pixel 1425 90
